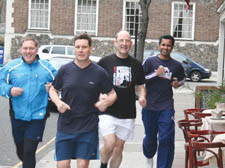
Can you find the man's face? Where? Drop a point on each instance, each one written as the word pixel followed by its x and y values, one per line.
pixel 123 43
pixel 82 50
pixel 165 47
pixel 29 51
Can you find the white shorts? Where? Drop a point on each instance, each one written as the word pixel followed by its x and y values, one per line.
pixel 122 128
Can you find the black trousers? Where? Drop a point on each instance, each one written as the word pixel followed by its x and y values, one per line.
pixel 26 152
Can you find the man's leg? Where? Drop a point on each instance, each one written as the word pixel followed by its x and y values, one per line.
pixel 30 147
pixel 18 128
pixel 117 153
pixel 19 150
pixel 107 150
pixel 82 163
pixel 166 139
pixel 150 121
pixel 63 164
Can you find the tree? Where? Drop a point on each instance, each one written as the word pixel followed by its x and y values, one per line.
pixel 143 28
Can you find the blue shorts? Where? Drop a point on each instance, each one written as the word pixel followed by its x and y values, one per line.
pixel 32 130
pixel 77 146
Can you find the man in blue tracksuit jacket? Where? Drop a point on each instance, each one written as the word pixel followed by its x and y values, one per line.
pixel 25 81
pixel 162 73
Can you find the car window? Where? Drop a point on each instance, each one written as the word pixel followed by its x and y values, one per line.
pixel 46 50
pixel 70 50
pixel 179 57
pixel 58 50
pixel 149 53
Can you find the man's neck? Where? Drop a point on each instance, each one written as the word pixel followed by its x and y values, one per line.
pixel 121 56
pixel 82 64
pixel 162 57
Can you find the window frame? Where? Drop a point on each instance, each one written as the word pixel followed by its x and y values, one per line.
pixel 29 17
pixel 75 19
pixel 125 14
pixel 193 20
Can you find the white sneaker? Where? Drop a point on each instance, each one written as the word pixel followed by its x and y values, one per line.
pixel 149 163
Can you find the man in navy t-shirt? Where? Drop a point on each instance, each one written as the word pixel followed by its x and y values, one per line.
pixel 161 74
pixel 80 82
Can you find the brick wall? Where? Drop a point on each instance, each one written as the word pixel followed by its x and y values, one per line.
pixel 62 17
pixel 110 17
pixel 20 16
pixel 206 21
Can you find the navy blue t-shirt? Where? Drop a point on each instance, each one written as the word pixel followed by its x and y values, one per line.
pixel 80 89
pixel 159 89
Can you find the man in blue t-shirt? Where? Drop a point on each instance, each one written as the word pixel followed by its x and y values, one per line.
pixel 161 74
pixel 80 82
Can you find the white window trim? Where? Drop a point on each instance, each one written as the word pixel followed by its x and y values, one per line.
pixel 124 13
pixel 193 20
pixel 97 14
pixel 29 16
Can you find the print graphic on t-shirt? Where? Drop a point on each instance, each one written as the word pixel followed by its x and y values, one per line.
pixel 122 76
pixel 167 74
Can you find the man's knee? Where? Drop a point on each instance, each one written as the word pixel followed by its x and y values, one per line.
pixel 30 147
pixel 109 142
pixel 63 164
pixel 81 163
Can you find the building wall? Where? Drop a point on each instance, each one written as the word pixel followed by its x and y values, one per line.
pixel 20 16
pixel 62 17
pixel 204 48
pixel 113 9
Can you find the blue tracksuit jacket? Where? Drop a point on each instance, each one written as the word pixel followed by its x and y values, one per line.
pixel 32 103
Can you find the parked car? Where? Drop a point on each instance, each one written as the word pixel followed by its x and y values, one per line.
pixel 57 62
pixel 193 70
pixel 49 51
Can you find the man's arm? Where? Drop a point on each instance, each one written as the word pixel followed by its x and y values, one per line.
pixel 61 106
pixel 106 100
pixel 141 95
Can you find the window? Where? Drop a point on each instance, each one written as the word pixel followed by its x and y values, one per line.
pixel 70 50
pixel 58 50
pixel 132 14
pixel 183 21
pixel 39 14
pixel 86 17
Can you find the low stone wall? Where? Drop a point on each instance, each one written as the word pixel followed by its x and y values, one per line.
pixel 205 54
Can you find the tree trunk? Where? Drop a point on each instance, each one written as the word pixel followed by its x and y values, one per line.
pixel 143 28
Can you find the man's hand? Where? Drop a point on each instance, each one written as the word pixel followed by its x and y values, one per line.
pixel 16 91
pixel 175 83
pixel 160 70
pixel 62 106
pixel 101 105
pixel 142 101
pixel 47 86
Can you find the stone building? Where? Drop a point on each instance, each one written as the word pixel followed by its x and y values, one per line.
pixel 58 21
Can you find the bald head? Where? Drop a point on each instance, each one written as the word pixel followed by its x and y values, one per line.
pixel 122 33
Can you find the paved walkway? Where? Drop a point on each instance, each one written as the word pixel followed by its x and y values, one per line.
pixel 133 156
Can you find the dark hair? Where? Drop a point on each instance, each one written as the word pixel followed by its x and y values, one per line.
pixel 169 37
pixel 84 36
pixel 30 38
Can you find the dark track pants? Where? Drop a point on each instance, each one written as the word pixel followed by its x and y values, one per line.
pixel 161 124
pixel 27 135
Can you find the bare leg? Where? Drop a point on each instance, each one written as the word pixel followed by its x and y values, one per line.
pixel 117 153
pixel 107 150
pixel 82 163
pixel 63 164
